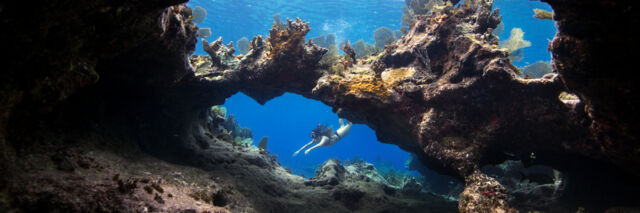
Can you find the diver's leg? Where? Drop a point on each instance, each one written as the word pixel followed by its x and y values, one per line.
pixel 341 122
pixel 324 141
pixel 343 130
pixel 303 147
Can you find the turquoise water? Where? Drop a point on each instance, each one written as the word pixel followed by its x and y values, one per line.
pixel 288 120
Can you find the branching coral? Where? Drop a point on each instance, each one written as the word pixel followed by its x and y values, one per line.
pixel 288 41
pixel 221 55
pixel 423 7
pixel 349 52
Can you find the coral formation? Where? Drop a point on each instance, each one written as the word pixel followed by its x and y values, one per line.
pixel 537 70
pixel 536 187
pixel 363 49
pixel 542 14
pixel 584 51
pixel 243 45
pixel 498 30
pixel 410 88
pixel 199 14
pixel 288 41
pixel 263 143
pixel 383 36
pixel 331 57
pixel 442 185
pixel 515 43
pixel 221 55
pixel 204 32
pixel 325 41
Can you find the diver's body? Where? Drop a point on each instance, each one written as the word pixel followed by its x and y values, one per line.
pixel 326 139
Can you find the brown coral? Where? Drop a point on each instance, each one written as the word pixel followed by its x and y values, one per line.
pixel 288 41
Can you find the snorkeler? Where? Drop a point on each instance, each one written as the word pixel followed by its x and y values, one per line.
pixel 324 136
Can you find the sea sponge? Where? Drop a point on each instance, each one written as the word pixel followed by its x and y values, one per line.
pixel 537 70
pixel 199 14
pixel 204 32
pixel 383 36
pixel 542 14
pixel 243 45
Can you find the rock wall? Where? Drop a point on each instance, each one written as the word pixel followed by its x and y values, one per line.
pixel 593 55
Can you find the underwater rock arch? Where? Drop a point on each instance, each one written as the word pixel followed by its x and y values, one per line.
pixel 444 91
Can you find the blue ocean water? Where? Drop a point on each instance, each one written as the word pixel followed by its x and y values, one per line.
pixel 518 13
pixel 288 120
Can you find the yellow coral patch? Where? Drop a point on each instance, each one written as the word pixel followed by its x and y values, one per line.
pixel 366 85
pixel 392 77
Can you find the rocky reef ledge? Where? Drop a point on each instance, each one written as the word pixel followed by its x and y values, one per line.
pixel 102 109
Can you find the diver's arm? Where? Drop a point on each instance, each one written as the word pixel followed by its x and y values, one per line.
pixel 323 142
pixel 303 147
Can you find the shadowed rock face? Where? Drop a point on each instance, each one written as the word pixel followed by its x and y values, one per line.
pixel 444 91
pixel 594 55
